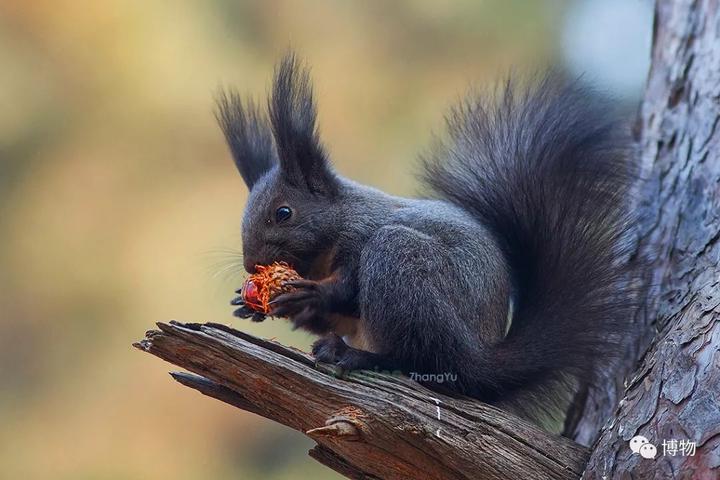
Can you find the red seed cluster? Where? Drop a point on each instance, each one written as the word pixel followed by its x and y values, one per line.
pixel 267 283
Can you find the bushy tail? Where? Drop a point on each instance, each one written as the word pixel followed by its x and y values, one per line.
pixel 549 170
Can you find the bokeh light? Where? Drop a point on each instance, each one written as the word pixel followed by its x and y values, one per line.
pixel 120 205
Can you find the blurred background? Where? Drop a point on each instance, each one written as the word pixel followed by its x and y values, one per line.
pixel 120 205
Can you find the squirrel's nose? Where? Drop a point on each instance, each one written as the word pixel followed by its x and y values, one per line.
pixel 249 264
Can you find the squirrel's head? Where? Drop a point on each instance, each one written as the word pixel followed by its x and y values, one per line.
pixel 291 214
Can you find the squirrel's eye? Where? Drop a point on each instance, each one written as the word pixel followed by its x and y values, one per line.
pixel 282 214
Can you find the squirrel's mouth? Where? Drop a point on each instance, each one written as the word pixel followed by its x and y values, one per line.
pixel 312 265
pixel 252 263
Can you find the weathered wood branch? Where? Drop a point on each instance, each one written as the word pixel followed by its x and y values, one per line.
pixel 366 424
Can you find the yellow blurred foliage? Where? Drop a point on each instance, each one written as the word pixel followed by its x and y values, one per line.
pixel 120 206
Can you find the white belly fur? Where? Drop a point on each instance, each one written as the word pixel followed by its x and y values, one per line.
pixel 352 332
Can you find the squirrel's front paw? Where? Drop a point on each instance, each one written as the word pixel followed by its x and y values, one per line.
pixel 329 349
pixel 306 306
pixel 244 311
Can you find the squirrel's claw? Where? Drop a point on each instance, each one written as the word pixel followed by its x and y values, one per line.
pixel 293 304
pixel 305 309
pixel 329 349
pixel 246 312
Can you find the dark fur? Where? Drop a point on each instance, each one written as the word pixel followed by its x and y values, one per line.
pixel 531 209
pixel 247 134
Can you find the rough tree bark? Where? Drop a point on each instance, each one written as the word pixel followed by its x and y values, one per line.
pixel 381 426
pixel 675 393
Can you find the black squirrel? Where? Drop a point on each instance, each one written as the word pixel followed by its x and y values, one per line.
pixel 507 282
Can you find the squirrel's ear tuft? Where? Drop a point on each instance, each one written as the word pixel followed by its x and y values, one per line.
pixel 248 135
pixel 303 161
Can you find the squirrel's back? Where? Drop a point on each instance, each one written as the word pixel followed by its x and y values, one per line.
pixel 548 170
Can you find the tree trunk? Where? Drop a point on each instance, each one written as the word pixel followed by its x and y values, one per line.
pixel 675 393
pixel 371 425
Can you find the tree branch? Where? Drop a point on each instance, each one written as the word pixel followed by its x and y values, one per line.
pixel 367 424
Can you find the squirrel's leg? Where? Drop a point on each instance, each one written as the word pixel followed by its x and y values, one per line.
pixel 333 349
pixel 354 359
pixel 329 349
